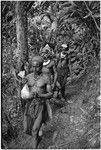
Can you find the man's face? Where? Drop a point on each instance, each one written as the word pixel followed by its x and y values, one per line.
pixel 36 67
pixel 45 56
pixel 63 54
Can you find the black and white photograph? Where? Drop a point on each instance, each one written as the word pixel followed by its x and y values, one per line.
pixel 50 74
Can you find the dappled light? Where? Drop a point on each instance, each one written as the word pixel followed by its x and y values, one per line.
pixel 50 53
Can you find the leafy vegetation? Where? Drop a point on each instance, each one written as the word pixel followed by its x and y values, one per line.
pixel 76 23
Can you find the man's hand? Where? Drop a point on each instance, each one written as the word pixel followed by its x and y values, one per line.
pixel 21 74
pixel 24 81
pixel 39 95
pixel 35 95
pixel 53 86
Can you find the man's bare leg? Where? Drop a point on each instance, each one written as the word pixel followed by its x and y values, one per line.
pixel 27 119
pixel 36 128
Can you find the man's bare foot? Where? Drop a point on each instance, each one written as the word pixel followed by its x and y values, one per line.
pixel 40 131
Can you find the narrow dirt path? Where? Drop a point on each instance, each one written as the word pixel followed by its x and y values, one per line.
pixel 67 127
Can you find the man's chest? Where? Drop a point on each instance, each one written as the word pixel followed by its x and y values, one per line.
pixel 50 66
pixel 36 82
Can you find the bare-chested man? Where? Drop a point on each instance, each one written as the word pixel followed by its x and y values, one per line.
pixel 49 66
pixel 39 88
pixel 63 67
pixel 63 56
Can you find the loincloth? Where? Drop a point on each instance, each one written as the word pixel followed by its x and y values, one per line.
pixel 38 105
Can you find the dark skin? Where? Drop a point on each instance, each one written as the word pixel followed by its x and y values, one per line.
pixel 40 87
pixel 62 59
pixel 51 70
pixel 63 64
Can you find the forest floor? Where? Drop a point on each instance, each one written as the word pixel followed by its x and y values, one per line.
pixel 71 124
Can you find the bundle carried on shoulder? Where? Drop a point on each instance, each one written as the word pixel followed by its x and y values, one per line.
pixel 25 94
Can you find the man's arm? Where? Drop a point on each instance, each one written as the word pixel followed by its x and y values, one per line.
pixel 55 75
pixel 48 94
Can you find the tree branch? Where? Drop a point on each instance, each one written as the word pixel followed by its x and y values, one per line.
pixel 87 16
pixel 92 16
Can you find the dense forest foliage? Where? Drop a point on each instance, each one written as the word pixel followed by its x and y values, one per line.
pixel 76 23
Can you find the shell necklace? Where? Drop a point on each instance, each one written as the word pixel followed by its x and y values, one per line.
pixel 37 77
pixel 46 63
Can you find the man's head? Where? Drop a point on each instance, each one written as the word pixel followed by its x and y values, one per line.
pixel 65 47
pixel 37 64
pixel 64 50
pixel 46 52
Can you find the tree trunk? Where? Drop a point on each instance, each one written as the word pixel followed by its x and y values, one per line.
pixel 21 32
pixel 22 40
